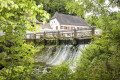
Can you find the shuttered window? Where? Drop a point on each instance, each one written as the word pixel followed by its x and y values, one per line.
pixel 56 27
pixel 65 27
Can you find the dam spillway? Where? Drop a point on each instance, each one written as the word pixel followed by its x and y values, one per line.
pixel 55 55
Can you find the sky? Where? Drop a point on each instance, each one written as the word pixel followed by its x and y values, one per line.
pixel 111 9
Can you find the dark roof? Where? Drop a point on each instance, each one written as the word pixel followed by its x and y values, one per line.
pixel 46 25
pixel 69 20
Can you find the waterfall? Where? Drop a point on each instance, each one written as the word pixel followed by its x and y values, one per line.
pixel 55 55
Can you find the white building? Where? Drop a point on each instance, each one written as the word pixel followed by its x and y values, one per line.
pixel 67 22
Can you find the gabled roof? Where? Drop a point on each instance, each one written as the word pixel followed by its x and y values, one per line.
pixel 64 19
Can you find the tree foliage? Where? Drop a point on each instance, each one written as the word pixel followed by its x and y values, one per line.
pixel 16 56
pixel 60 72
pixel 52 6
pixel 100 60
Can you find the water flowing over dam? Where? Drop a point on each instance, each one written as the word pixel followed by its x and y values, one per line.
pixel 55 55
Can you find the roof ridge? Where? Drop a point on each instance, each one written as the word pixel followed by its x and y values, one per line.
pixel 68 15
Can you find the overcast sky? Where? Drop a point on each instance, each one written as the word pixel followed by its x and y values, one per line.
pixel 111 9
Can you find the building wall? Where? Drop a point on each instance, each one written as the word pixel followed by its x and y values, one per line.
pixel 55 24
pixel 71 27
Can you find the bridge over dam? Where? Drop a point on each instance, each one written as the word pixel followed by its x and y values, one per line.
pixel 61 35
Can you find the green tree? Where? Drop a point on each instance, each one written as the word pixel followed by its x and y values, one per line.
pixel 17 56
pixel 59 72
pixel 52 6
pixel 97 61
pixel 100 60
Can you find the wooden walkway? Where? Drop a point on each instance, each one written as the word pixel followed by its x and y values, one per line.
pixel 62 34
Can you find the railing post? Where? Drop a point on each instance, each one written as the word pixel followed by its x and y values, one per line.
pixel 58 38
pixel 34 38
pixel 44 35
pixel 44 38
pixel 74 38
pixel 93 34
pixel 75 34
pixel 93 31
pixel 30 36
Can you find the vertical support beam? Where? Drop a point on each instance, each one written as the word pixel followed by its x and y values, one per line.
pixel 35 38
pixel 93 34
pixel 30 36
pixel 44 38
pixel 75 34
pixel 44 35
pixel 58 38
pixel 74 38
pixel 93 31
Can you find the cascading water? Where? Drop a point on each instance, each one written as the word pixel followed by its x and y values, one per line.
pixel 55 55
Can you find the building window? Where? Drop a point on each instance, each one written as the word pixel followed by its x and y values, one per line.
pixel 72 28
pixel 65 27
pixel 62 27
pixel 78 28
pixel 56 27
pixel 69 28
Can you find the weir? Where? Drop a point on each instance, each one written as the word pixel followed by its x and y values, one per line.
pixel 61 47
pixel 66 52
pixel 53 54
